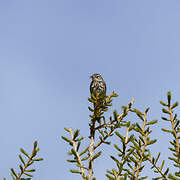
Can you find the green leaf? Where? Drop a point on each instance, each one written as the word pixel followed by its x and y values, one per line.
pixel 124 107
pixel 13 176
pixel 91 100
pixel 115 115
pixel 152 142
pixel 39 159
pixel 106 142
pixel 71 161
pixel 165 119
pixel 92 110
pixel 96 155
pixel 128 124
pixel 170 176
pixel 146 111
pixel 24 152
pixel 140 116
pixel 145 177
pixel 27 174
pixel 153 160
pixel 78 145
pixel 151 122
pixel 139 127
pixel 176 165
pixel 171 149
pixel 114 95
pixel 130 166
pixel 163 103
pixel 76 133
pixel 34 153
pixel 117 148
pixel 67 140
pixel 166 130
pixel 175 116
pixel 73 152
pixel 165 111
pixel 130 138
pixel 109 172
pixel 80 139
pixel 174 159
pixel 66 129
pixel 20 157
pixel 101 132
pixel 132 127
pixel 130 173
pixel 120 136
pixel 177 123
pixel 162 165
pixel 130 105
pixel 174 105
pixel 35 144
pixel 70 153
pixel 138 112
pixel 177 174
pixel 75 171
pixel 110 177
pixel 31 163
pixel 13 172
pixel 114 159
pixel 92 116
pixel 21 168
pixel 157 158
pixel 30 170
pixel 83 152
pixel 169 97
pixel 81 166
pixel 84 159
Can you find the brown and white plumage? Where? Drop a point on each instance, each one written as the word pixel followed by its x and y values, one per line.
pixel 98 86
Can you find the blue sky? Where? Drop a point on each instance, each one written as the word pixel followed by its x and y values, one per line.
pixel 49 48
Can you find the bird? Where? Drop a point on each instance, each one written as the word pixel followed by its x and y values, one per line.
pixel 97 86
pixel 98 91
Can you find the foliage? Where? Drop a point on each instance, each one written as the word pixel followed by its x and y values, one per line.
pixel 133 149
pixel 25 164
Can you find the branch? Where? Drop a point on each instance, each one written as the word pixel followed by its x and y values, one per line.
pixel 31 160
pixel 91 151
pixel 77 154
pixel 103 140
pixel 174 132
pixel 92 147
pixel 119 119
pixel 158 169
pixel 144 146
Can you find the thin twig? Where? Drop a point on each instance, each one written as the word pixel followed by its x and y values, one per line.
pixel 158 169
pixel 91 151
pixel 174 131
pixel 126 139
pixel 77 155
pixel 92 147
pixel 136 169
pixel 119 119
pixel 25 166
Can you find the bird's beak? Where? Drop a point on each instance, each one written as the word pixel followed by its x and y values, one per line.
pixel 90 77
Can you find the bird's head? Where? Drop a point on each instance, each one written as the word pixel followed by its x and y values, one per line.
pixel 96 77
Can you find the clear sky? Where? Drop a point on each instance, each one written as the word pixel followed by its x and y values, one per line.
pixel 48 50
